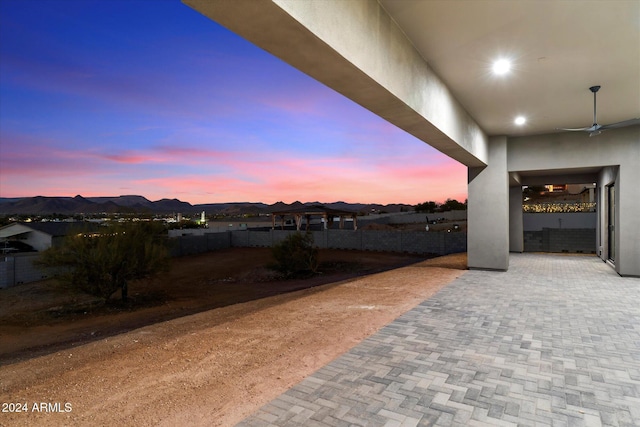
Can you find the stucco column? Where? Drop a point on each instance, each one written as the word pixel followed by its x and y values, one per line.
pixel 608 176
pixel 516 232
pixel 627 219
pixel 488 210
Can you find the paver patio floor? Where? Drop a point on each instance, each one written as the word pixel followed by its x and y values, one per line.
pixel 553 341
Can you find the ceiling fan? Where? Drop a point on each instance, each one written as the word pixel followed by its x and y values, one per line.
pixel 596 129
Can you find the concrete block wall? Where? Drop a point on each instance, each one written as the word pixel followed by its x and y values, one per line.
pixel 572 240
pixel 188 245
pixel 581 240
pixel 264 238
pixel 217 241
pixel 197 244
pixel 533 241
pixel 411 217
pixel 431 243
pixel 369 240
pixel 348 240
pixel 239 238
pixel 19 268
pixel 414 218
pixel 453 243
pixel 6 273
pixel 321 239
pixel 385 241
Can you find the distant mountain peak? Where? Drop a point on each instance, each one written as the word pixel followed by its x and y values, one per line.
pixel 43 205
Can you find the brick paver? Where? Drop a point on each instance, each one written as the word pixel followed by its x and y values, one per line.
pixel 553 341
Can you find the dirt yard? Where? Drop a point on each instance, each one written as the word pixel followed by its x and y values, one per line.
pixel 207 344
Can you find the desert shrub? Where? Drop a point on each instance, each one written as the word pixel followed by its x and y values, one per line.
pixel 296 255
pixel 102 263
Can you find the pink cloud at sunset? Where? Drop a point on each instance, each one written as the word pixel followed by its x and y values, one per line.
pixel 293 179
pixel 240 176
pixel 208 118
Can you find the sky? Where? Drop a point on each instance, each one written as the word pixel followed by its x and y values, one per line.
pixel 149 97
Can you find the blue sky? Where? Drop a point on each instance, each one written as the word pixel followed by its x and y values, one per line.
pixel 148 97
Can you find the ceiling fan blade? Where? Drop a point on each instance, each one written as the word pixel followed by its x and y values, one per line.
pixel 577 130
pixel 622 124
pixel 593 128
pixel 596 129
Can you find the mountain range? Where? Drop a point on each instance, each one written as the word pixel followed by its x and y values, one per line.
pixel 41 205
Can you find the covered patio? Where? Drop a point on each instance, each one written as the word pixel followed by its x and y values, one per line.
pixel 555 340
pixel 430 68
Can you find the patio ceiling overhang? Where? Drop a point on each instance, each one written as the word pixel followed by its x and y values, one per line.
pixel 357 49
pixel 555 176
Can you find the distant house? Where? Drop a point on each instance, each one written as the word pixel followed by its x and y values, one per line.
pixel 37 235
pixel 327 215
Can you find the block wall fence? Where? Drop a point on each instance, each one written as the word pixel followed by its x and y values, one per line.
pixel 417 242
pixel 17 269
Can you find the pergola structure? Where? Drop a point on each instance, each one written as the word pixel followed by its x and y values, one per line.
pixel 307 212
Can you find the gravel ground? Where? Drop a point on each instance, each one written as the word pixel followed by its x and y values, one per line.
pixel 213 367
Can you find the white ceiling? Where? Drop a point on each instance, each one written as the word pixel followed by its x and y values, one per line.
pixel 559 48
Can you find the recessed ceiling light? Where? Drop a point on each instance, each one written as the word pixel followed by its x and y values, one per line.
pixel 501 66
pixel 520 120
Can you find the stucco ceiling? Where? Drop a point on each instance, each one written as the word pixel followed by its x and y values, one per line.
pixel 559 48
